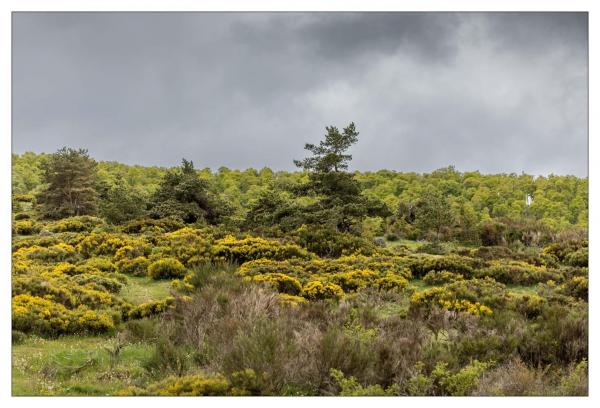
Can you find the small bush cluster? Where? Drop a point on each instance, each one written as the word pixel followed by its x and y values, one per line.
pixel 474 296
pixel 26 227
pixel 518 273
pixel 149 309
pixel 420 266
pixel 441 277
pixel 349 274
pixel 190 385
pixel 252 248
pixel 46 317
pixel 166 268
pixel 84 223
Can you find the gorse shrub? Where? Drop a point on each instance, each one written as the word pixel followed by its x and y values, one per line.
pixel 166 268
pixel 189 246
pixel 317 290
pixel 562 249
pixel 282 283
pixel 149 225
pixel 54 253
pixel 576 286
pixel 26 227
pixel 136 266
pixel 441 277
pixel 150 308
pixel 84 223
pixel 252 248
pixel 476 296
pixel 39 315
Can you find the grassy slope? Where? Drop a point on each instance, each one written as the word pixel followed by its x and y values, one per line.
pixel 77 365
pixel 74 365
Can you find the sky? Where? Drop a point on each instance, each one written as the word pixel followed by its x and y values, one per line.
pixel 493 92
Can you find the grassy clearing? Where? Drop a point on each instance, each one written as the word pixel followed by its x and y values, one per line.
pixel 417 285
pixel 73 365
pixel 522 290
pixel 141 290
pixel 411 245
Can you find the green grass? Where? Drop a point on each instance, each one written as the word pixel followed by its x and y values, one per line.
pixel 142 289
pixel 410 244
pixel 417 285
pixel 522 290
pixel 74 365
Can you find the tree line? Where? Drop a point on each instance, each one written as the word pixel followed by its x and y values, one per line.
pixel 442 205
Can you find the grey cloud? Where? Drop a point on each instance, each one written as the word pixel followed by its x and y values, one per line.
pixel 497 92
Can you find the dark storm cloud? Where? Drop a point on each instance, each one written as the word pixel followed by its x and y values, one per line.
pixel 500 92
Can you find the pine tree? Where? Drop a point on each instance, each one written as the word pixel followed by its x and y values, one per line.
pixel 71 177
pixel 340 204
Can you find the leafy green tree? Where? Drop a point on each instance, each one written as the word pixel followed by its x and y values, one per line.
pixel 121 203
pixel 339 200
pixel 71 180
pixel 433 213
pixel 183 194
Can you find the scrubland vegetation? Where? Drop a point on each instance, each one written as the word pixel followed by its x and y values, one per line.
pixel 132 280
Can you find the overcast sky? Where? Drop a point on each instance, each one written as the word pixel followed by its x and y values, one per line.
pixel 494 92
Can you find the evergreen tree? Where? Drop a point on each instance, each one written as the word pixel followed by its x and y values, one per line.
pixel 71 180
pixel 340 203
pixel 183 194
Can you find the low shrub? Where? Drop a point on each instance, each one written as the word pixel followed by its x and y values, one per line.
pixel 252 248
pixel 166 269
pixel 281 282
pixel 441 381
pixel 578 258
pixel 84 223
pixel 350 387
pixel 151 225
pixel 317 290
pixel 148 309
pixel 190 385
pixel 391 282
pixel 137 266
pixel 518 273
pixel 562 249
pixel 576 286
pixel 190 246
pixel 329 243
pixel 54 253
pixel 26 227
pixel 45 317
pixel 441 277
pixel 493 252
pixel 475 296
pixel 391 237
pixel 419 266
